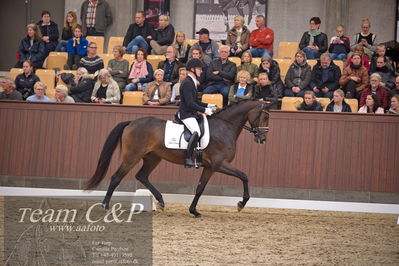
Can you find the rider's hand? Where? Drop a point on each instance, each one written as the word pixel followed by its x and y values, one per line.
pixel 211 105
pixel 208 111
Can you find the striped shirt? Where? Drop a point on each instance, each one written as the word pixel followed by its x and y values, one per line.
pixel 92 64
pixel 91 14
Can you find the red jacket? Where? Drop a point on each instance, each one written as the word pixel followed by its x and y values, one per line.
pixel 262 39
pixel 381 93
pixel 365 60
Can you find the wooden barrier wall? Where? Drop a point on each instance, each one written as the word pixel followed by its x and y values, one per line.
pixel 303 150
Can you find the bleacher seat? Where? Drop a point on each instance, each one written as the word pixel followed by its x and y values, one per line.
pixel 213 99
pixel 284 66
pixel 114 41
pixel 47 76
pixel 155 59
pixel 106 58
pixel 57 60
pixel 312 63
pixel 99 40
pixel 287 50
pixel 133 98
pixel 256 60
pixel 291 103
pixel 340 64
pixel 235 60
pixel 353 104
pixel 59 81
pixel 191 42
pixel 14 72
pixel 323 102
pixel 129 58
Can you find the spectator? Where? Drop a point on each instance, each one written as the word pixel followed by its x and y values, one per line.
pixel 360 50
pixel 372 105
pixel 339 45
pixel 71 22
pixel 196 52
pixel 325 77
pixel 386 73
pixel 210 48
pixel 170 66
pixel 106 90
pixel 314 42
pixel 158 92
pixel 9 92
pixel 140 73
pixel 264 91
pixel 39 89
pixel 95 16
pixel 175 98
pixel 380 51
pixel 272 69
pixel 49 30
pixel 241 90
pixel 238 37
pixel 76 48
pixel 310 103
pixel 247 65
pixel 367 39
pixel 181 47
pixel 138 35
pixel 83 88
pixel 221 74
pixel 298 77
pixel 92 62
pixel 394 105
pixel 163 36
pixel 354 78
pixel 395 90
pixel 338 103
pixel 261 39
pixel 375 88
pixel 25 81
pixel 61 95
pixel 119 67
pixel 32 47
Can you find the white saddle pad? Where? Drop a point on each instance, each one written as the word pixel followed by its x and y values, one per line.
pixel 174 138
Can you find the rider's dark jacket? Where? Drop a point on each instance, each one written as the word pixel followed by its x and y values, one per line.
pixel 190 105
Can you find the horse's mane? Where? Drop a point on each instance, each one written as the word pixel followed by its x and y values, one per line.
pixel 228 107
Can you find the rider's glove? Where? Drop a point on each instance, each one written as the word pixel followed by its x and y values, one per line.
pixel 211 105
pixel 208 111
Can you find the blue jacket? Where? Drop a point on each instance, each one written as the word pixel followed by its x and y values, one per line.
pixel 35 53
pixel 82 47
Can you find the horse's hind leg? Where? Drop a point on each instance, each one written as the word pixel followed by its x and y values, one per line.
pixel 150 162
pixel 205 176
pixel 125 167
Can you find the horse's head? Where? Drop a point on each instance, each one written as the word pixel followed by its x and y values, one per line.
pixel 258 118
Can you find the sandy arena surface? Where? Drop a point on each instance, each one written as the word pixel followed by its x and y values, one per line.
pixel 273 237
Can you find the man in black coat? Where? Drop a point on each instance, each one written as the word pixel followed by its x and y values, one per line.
pixel 49 30
pixel 325 77
pixel 137 36
pixel 190 106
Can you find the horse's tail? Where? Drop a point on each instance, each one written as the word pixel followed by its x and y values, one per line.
pixel 106 154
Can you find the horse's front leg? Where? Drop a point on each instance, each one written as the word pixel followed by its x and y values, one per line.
pixel 228 169
pixel 205 176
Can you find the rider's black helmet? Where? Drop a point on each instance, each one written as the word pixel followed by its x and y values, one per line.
pixel 193 63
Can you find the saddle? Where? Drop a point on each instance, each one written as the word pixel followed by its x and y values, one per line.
pixel 186 133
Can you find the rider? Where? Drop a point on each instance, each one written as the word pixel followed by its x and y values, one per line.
pixel 190 105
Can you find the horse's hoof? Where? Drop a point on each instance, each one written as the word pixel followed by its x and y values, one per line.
pixel 195 213
pixel 240 206
pixel 161 205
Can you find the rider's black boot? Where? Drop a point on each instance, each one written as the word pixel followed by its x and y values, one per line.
pixel 188 162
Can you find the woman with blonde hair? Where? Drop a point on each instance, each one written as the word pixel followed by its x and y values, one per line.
pixel 241 90
pixel 119 67
pixel 365 38
pixel 298 77
pixel 61 95
pixel 182 47
pixel 338 103
pixel 394 105
pixel 163 36
pixel 246 64
pixel 157 92
pixel 106 90
pixel 71 22
pixel 32 47
pixel 40 89
pixel 238 37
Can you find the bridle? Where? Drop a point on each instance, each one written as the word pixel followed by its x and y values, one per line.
pixel 258 131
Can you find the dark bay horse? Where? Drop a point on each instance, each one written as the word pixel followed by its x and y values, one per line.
pixel 144 139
